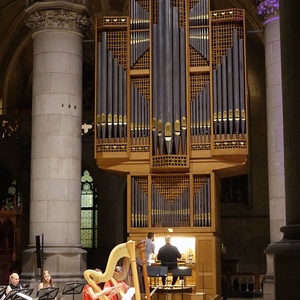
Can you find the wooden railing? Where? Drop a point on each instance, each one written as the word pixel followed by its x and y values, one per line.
pixel 242 284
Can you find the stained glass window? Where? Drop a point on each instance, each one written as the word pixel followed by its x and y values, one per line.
pixel 89 216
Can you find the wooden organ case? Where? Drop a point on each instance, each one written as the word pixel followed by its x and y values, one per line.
pixel 171 113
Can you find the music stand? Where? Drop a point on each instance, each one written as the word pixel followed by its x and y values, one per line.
pixel 73 288
pixel 2 290
pixel 48 293
pixel 26 292
pixel 11 294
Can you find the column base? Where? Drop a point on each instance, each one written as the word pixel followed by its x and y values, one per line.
pixel 64 264
pixel 286 254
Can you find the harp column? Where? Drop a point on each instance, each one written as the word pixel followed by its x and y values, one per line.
pixel 55 202
pixel 275 137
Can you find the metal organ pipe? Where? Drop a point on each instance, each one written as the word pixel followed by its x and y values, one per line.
pixel 236 90
pixel 168 72
pixel 103 84
pixel 169 82
pixel 242 86
pixel 229 91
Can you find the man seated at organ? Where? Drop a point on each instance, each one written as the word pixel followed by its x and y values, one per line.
pixel 168 255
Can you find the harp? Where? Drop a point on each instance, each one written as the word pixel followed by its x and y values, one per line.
pixel 126 254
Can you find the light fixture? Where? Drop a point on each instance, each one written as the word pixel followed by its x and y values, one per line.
pixel 170 229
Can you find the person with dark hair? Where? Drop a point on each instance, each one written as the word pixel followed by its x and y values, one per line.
pixel 150 247
pixel 168 255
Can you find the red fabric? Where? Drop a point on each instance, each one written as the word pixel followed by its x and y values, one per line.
pixel 85 295
pixel 109 284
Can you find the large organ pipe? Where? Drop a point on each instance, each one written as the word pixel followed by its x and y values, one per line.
pixel 215 98
pixel 99 112
pixel 135 121
pixel 242 86
pixel 161 78
pixel 142 119
pixel 154 91
pixel 176 90
pixel 200 114
pixel 139 115
pixel 193 119
pixel 197 107
pixel 168 71
pixel 103 84
pixel 132 112
pixel 124 103
pixel 120 101
pixel 207 110
pixel 230 90
pixel 115 97
pixel 133 216
pixel 236 91
pixel 182 83
pixel 109 95
pixel 224 94
pixel 208 201
pixel 219 97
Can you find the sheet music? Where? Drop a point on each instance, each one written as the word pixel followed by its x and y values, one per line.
pixel 129 294
pixel 24 296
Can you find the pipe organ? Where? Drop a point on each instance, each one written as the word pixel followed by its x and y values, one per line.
pixel 171 113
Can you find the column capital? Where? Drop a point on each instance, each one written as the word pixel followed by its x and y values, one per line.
pixel 61 15
pixel 268 10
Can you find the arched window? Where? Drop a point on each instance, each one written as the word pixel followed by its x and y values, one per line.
pixel 89 212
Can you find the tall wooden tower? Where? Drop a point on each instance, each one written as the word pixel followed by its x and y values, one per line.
pixel 171 113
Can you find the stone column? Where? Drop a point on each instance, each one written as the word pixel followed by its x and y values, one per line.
pixel 269 11
pixel 286 252
pixel 55 207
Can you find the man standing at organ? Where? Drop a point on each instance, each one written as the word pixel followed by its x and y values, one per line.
pixel 168 255
pixel 150 247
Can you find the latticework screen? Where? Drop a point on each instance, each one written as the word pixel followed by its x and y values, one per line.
pixel 170 201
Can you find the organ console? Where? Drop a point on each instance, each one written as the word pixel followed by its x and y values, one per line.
pixel 171 113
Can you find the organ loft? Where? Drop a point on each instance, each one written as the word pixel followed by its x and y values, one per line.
pixel 171 113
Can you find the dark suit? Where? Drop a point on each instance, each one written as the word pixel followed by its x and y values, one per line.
pixel 168 255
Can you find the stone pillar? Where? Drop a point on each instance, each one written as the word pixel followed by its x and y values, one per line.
pixel 55 207
pixel 286 252
pixel 269 11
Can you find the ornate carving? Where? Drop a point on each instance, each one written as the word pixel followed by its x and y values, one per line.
pixel 268 10
pixel 57 19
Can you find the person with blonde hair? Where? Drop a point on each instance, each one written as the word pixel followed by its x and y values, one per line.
pixel 47 280
pixel 13 283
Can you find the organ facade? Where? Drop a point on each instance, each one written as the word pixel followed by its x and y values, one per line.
pixel 171 113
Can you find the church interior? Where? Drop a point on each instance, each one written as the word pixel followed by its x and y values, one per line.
pixel 204 179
